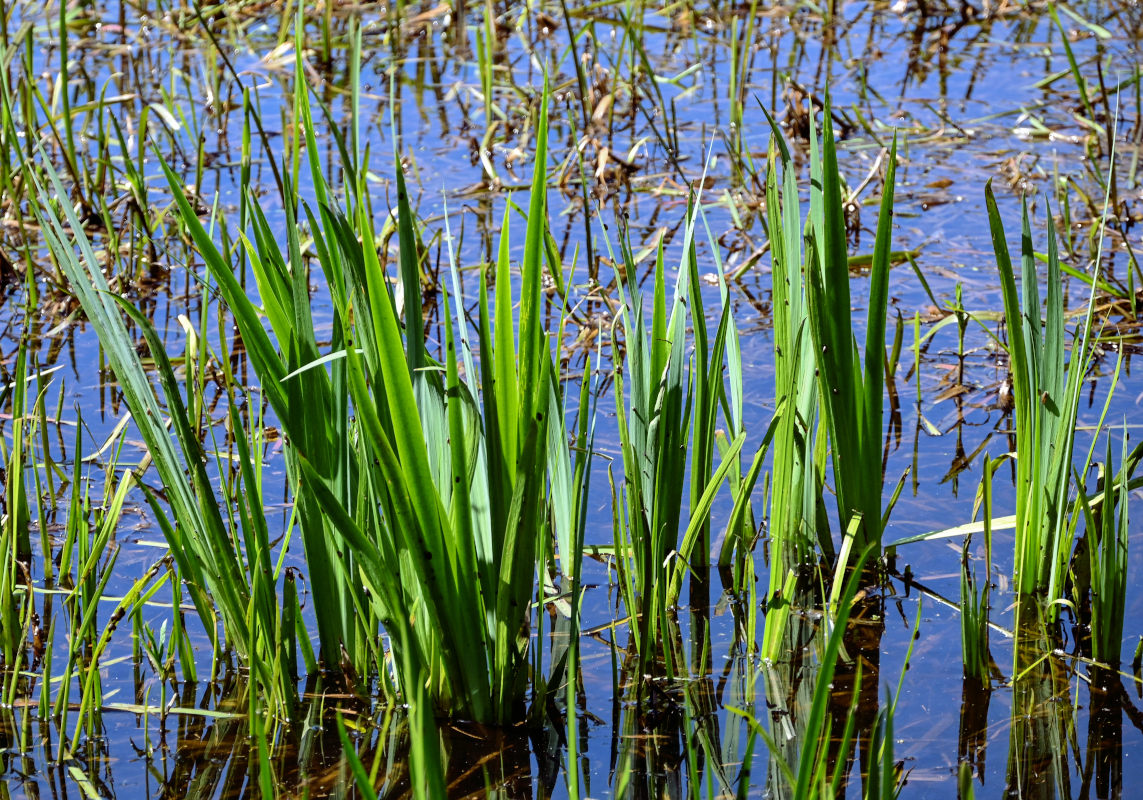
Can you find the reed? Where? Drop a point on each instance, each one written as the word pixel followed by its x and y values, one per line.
pixel 573 498
pixel 1046 394
pixel 798 528
pixel 824 392
pixel 851 388
pixel 974 601
pixel 441 489
pixel 15 546
pixel 425 508
pixel 228 572
pixel 669 407
pixel 1105 543
pixel 973 621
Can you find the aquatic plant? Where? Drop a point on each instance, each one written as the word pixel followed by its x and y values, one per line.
pixel 1046 395
pixel 811 327
pixel 105 125
pixel 669 411
pixel 423 508
pixel 974 592
pixel 1105 543
pixel 224 559
pixel 851 388
pixel 15 546
pixel 798 530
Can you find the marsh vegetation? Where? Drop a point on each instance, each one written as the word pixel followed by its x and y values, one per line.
pixel 569 400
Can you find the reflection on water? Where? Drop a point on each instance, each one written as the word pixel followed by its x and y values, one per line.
pixel 1108 703
pixel 1043 732
pixel 789 688
pixel 972 744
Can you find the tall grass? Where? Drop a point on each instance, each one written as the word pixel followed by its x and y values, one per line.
pixel 71 568
pixel 429 486
pixel 1046 394
pixel 798 530
pixel 820 375
pixel 1105 539
pixel 227 571
pixel 422 497
pixel 425 506
pixel 851 387
pixel 974 593
pixel 15 546
pixel 667 406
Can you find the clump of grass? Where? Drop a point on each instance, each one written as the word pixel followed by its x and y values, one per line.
pixel 973 620
pixel 851 388
pixel 974 603
pixel 821 375
pixel 1105 539
pixel 223 559
pixel 422 496
pixel 424 508
pixel 1046 395
pixel 667 406
pixel 795 526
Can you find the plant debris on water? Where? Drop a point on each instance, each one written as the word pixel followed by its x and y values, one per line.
pixel 570 399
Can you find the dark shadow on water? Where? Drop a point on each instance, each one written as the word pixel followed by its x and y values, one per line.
pixel 857 686
pixel 972 739
pixel 1107 703
pixel 1043 725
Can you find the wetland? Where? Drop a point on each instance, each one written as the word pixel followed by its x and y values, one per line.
pixel 570 399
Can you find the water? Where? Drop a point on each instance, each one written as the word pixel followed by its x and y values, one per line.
pixel 973 93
